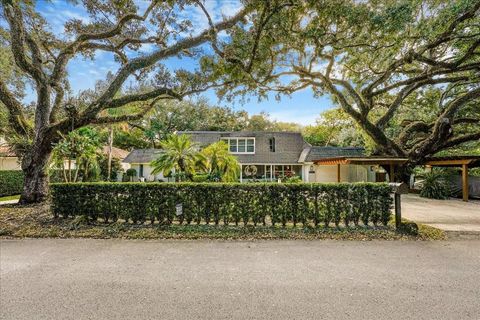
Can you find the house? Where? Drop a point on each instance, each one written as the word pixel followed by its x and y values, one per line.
pixel 8 159
pixel 269 156
pixel 139 159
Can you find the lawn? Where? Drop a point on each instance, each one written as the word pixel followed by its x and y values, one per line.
pixel 37 222
pixel 7 198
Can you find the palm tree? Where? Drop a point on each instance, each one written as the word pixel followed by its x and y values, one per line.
pixel 180 155
pixel 219 163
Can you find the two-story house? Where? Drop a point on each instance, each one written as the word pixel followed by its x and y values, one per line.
pixel 268 156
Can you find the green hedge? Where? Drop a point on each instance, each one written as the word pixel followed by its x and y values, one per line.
pixel 226 203
pixel 11 182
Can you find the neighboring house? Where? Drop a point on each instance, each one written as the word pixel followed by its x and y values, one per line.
pixel 8 160
pixel 269 156
pixel 139 160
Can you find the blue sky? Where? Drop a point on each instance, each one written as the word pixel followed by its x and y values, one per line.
pixel 301 107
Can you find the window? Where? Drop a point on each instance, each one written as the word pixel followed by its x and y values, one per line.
pixel 272 144
pixel 140 174
pixel 241 145
pixel 233 145
pixel 250 145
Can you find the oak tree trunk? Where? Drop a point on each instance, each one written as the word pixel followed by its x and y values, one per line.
pixel 35 170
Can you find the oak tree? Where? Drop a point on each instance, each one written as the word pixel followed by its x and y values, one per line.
pixel 407 72
pixel 43 55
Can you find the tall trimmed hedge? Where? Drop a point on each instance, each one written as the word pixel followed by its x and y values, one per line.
pixel 11 182
pixel 226 203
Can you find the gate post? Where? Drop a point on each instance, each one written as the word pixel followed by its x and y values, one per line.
pixel 398 189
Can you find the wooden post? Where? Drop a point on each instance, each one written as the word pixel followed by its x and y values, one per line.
pixel 465 181
pixel 392 173
pixel 398 211
pixel 338 173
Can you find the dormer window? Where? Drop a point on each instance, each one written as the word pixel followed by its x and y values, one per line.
pixel 241 145
pixel 271 142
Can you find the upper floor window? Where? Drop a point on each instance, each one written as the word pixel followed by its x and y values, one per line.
pixel 241 145
pixel 271 142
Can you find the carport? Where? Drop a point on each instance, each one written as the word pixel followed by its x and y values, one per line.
pixel 463 162
pixel 389 162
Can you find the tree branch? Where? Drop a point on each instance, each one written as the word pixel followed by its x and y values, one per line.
pixel 16 117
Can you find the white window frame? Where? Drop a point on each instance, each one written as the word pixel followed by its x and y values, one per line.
pixel 246 144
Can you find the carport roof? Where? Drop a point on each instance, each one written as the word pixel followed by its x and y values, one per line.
pixel 454 161
pixel 361 160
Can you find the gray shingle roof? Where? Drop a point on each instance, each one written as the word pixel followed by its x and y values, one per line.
pixel 142 156
pixel 317 153
pixel 288 145
pixel 290 148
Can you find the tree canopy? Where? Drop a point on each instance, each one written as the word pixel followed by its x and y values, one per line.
pixel 120 28
pixel 407 72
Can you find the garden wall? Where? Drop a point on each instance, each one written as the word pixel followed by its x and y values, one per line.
pixel 226 203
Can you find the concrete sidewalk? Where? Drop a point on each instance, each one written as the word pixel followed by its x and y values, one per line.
pixel 119 279
pixel 448 215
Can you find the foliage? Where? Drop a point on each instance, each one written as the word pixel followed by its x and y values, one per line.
pixel 229 203
pixel 11 182
pixel 130 173
pixel 115 169
pixel 124 30
pixel 435 186
pixel 294 179
pixel 37 222
pixel 405 71
pixel 334 127
pixel 179 154
pixel 77 155
pixel 219 164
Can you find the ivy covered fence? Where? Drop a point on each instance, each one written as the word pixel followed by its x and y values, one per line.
pixel 226 203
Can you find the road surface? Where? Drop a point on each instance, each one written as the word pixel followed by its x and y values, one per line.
pixel 120 279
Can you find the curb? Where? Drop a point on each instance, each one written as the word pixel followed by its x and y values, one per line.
pixel 463 235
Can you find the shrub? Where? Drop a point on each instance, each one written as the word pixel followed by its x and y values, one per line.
pixel 130 173
pixel 11 182
pixel 435 186
pixel 229 203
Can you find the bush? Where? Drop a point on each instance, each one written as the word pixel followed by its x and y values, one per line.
pixel 435 186
pixel 130 173
pixel 11 182
pixel 229 203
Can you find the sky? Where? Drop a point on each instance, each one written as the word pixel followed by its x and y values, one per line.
pixel 302 107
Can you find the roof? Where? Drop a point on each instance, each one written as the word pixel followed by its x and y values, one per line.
pixel 117 153
pixel 447 161
pixel 370 160
pixel 5 151
pixel 288 145
pixel 318 153
pixel 142 155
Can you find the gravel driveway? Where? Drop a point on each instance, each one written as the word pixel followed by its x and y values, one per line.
pixel 449 215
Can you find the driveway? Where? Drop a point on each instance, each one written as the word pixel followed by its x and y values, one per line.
pixel 120 279
pixel 449 215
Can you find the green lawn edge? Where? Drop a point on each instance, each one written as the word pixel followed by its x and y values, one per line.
pixel 7 198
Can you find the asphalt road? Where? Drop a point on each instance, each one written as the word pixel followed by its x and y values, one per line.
pixel 115 279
